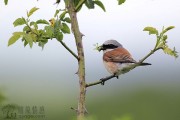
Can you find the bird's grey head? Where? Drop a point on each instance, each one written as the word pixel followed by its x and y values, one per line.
pixel 110 44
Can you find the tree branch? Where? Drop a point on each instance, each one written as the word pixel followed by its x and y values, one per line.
pixel 68 49
pixel 148 55
pixel 124 70
pixel 81 61
pixel 101 81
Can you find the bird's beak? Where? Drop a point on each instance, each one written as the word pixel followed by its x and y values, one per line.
pixel 100 48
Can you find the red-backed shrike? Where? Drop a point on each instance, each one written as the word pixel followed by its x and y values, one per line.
pixel 116 57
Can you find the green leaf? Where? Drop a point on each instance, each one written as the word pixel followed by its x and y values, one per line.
pixel 35 26
pixel 79 8
pixel 25 43
pixel 57 1
pixel 34 37
pixel 32 11
pixel 89 4
pixel 29 39
pixel 42 42
pixel 19 21
pixel 100 4
pixel 170 52
pixel 175 53
pixel 56 13
pixel 167 29
pixel 79 4
pixel 40 31
pixel 13 39
pixel 76 2
pixel 65 28
pixel 67 19
pixel 57 26
pixel 18 33
pixel 32 23
pixel 49 31
pixel 165 37
pixel 42 22
pixel 26 29
pixel 151 30
pixel 62 15
pixel 121 2
pixel 59 36
pixel 5 2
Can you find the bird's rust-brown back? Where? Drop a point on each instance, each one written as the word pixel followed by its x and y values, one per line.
pixel 119 55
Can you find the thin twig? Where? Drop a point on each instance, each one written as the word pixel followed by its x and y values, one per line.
pixel 31 29
pixel 150 53
pixel 101 81
pixel 76 110
pixel 67 48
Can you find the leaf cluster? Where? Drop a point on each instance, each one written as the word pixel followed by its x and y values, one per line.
pixel 161 40
pixel 90 4
pixel 54 28
pixel 31 33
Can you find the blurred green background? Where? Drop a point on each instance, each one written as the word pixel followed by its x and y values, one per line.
pixel 150 102
pixel 35 77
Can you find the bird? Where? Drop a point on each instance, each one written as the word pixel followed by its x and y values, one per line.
pixel 116 57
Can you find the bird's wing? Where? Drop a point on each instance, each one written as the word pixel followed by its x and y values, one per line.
pixel 119 55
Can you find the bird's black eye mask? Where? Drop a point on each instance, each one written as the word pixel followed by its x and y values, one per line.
pixel 109 46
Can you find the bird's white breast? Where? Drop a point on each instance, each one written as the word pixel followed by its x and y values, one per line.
pixel 113 67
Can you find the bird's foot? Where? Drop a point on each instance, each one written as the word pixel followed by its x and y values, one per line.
pixel 116 76
pixel 102 81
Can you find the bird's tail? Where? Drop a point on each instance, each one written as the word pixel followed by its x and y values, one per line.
pixel 143 64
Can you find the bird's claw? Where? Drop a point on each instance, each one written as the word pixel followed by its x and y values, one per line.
pixel 116 76
pixel 102 81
